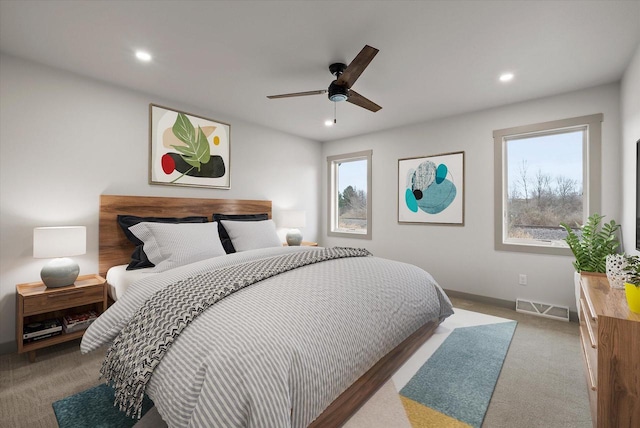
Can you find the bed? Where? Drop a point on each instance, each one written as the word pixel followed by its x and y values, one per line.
pixel 311 388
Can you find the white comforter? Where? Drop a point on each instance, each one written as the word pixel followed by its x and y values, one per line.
pixel 277 353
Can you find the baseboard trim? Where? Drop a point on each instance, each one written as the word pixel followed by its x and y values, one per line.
pixel 8 347
pixel 482 299
pixel 508 304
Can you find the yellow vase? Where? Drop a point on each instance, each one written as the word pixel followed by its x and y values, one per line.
pixel 633 297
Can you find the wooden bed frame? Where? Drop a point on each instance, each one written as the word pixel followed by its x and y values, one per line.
pixel 115 249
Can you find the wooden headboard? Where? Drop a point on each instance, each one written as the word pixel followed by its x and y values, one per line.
pixel 114 247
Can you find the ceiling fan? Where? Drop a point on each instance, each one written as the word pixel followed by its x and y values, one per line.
pixel 346 76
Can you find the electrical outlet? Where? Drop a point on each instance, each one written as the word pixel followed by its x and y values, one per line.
pixel 522 279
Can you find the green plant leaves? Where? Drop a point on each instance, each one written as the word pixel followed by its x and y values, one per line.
pixel 197 150
pixel 596 244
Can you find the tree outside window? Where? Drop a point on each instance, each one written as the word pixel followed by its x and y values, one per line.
pixel 349 195
pixel 545 174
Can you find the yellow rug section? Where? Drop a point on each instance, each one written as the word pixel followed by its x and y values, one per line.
pixel 423 417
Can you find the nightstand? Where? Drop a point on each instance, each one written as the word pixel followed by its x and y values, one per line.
pixel 304 244
pixel 35 302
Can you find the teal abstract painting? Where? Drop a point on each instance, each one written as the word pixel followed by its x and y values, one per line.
pixel 431 189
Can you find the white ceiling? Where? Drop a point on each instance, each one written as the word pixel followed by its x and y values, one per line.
pixel 437 58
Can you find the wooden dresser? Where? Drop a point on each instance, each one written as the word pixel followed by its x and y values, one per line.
pixel 610 335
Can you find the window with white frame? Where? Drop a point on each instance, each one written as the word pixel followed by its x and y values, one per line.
pixel 545 174
pixel 349 186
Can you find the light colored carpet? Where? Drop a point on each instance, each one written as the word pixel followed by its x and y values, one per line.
pixel 28 390
pixel 541 384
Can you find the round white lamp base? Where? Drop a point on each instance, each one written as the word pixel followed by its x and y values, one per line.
pixel 294 237
pixel 60 272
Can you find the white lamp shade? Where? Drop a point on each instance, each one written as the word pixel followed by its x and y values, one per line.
pixel 65 241
pixel 292 219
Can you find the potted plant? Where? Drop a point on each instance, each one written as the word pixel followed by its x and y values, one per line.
pixel 595 244
pixel 632 285
pixel 591 248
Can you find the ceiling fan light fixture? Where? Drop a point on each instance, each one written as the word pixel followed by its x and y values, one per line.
pixel 338 97
pixel 338 92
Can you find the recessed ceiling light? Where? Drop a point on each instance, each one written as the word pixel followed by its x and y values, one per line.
pixel 143 56
pixel 506 77
pixel 328 122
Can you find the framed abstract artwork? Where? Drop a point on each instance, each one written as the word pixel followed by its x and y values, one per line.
pixel 188 150
pixel 431 189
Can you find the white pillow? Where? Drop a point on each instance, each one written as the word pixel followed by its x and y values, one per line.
pixel 169 245
pixel 250 235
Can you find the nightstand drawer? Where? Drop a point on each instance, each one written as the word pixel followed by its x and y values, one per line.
pixel 62 299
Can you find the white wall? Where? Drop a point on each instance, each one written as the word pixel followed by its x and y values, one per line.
pixel 463 258
pixel 630 101
pixel 65 140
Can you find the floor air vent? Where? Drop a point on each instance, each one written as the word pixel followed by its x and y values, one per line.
pixel 542 309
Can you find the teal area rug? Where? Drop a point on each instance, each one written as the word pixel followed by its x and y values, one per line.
pixel 456 384
pixel 94 408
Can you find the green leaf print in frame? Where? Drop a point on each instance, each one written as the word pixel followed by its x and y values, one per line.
pixel 188 150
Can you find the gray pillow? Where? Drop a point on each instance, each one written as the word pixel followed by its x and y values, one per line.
pixel 171 245
pixel 251 235
pixel 139 259
pixel 224 236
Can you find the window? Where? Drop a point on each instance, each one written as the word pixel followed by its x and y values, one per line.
pixel 350 195
pixel 545 174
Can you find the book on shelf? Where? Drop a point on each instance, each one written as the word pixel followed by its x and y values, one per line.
pixel 75 322
pixel 36 330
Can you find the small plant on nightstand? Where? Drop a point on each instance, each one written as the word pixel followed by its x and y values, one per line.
pixel 632 284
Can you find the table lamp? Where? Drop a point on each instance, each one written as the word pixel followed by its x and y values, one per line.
pixel 293 220
pixel 59 243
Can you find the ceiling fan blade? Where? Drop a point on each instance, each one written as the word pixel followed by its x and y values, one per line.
pixel 359 100
pixel 357 66
pixel 297 94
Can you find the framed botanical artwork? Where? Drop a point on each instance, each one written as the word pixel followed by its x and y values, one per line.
pixel 188 150
pixel 431 189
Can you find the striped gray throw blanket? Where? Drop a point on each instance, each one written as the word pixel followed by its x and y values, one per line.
pixel 140 346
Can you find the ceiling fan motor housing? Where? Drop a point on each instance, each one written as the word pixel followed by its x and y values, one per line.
pixel 338 92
